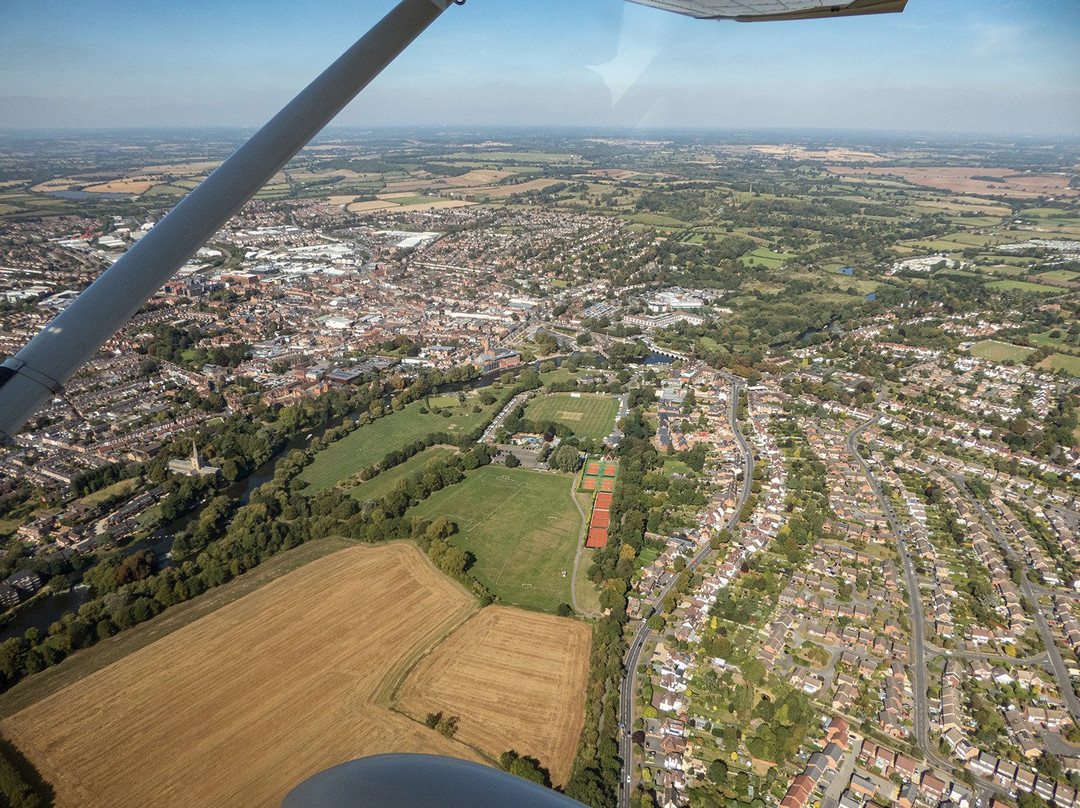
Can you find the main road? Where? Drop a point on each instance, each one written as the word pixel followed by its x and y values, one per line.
pixel 642 634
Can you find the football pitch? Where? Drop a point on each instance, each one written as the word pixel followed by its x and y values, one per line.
pixel 523 528
pixel 589 416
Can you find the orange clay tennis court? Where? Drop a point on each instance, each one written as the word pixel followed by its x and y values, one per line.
pixel 597 538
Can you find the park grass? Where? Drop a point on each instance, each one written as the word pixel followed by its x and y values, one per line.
pixel 999 351
pixel 1059 361
pixel 119 489
pixel 590 416
pixel 370 443
pixel 521 526
pixel 560 375
pixel 384 483
pixel 1024 286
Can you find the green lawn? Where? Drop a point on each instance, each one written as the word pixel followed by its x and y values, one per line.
pixel 999 351
pixel 676 467
pixel 521 526
pixel 1024 286
pixel 590 416
pixel 370 443
pixel 1071 364
pixel 383 484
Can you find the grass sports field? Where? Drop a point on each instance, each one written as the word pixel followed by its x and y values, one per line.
pixel 999 351
pixel 548 658
pixel 522 527
pixel 370 443
pixel 589 416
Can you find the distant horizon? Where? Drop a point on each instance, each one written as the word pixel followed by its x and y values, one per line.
pixel 1006 68
pixel 579 130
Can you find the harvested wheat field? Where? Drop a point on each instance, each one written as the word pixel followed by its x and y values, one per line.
pixel 127 185
pixel 515 680
pixel 241 705
pixel 501 191
pixel 370 205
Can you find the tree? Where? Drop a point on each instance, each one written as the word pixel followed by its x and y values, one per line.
pixel 512 461
pixel 754 671
pixel 565 458
pixel 718 771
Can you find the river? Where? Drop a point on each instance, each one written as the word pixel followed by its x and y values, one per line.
pixel 45 609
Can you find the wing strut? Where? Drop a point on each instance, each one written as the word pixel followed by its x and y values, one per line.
pixel 38 371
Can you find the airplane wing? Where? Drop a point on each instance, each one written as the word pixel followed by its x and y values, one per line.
pixel 765 10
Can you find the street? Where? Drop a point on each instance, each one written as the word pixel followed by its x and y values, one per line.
pixel 641 635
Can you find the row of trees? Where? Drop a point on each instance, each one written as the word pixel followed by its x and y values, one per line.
pixel 597 768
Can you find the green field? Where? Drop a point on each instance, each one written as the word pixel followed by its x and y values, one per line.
pixel 676 467
pixel 384 483
pixel 522 527
pixel 590 416
pixel 1059 275
pixel 1044 338
pixel 1024 286
pixel 122 488
pixel 763 257
pixel 1004 269
pixel 370 443
pixel 560 375
pixel 999 351
pixel 1059 361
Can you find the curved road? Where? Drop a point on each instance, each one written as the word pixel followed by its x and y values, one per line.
pixel 642 634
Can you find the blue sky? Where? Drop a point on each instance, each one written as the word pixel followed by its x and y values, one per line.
pixel 947 65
